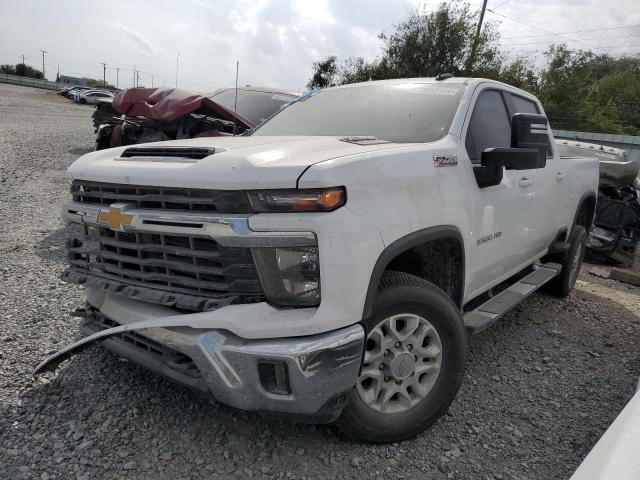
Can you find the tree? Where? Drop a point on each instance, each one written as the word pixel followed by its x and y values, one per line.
pixel 324 74
pixel 587 92
pixel 98 83
pixel 23 70
pixel 520 73
pixel 579 90
pixel 427 44
pixel 8 69
pixel 614 103
pixel 421 46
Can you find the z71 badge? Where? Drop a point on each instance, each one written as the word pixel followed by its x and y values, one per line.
pixel 445 160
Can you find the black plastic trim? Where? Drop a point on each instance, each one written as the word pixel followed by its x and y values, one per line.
pixel 406 243
pixel 585 196
pixel 146 360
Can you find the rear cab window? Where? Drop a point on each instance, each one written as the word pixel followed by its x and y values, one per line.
pixel 519 104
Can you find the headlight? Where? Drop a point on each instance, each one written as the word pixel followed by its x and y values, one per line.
pixel 298 200
pixel 289 276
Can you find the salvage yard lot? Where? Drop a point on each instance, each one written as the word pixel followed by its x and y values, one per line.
pixel 541 386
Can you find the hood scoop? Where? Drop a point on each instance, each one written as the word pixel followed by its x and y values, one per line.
pixel 166 154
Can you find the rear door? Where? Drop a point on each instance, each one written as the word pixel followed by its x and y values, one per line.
pixel 503 231
pixel 548 192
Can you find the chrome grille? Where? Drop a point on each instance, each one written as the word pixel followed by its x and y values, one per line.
pixel 165 198
pixel 188 264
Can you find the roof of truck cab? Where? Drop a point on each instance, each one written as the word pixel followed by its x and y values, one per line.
pixel 447 81
pixel 400 81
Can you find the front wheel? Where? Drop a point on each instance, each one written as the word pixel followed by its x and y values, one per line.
pixel 413 362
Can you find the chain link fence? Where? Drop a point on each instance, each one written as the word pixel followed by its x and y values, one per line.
pixel 31 82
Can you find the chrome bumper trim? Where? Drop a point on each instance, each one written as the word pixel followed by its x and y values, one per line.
pixel 228 230
pixel 319 366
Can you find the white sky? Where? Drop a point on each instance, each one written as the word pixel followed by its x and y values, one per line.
pixel 275 41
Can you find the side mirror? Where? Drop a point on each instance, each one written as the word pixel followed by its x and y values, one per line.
pixel 529 130
pixel 513 158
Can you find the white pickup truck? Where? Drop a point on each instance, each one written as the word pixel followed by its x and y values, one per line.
pixel 329 265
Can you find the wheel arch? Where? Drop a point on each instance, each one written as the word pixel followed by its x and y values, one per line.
pixel 411 241
pixel 585 212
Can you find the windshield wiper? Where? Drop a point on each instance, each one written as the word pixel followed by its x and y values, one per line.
pixel 363 140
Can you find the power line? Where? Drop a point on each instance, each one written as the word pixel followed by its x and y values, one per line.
pixel 620 46
pixel 593 38
pixel 503 3
pixel 610 47
pixel 567 33
pixel 94 68
pixel 538 28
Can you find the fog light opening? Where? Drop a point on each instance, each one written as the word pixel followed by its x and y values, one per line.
pixel 274 377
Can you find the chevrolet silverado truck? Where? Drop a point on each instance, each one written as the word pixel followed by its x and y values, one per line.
pixel 329 265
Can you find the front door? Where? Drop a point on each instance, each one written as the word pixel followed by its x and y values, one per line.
pixel 504 239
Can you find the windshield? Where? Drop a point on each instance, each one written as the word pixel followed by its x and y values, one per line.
pixel 252 105
pixel 402 113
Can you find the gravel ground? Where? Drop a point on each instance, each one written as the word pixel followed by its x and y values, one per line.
pixel 541 386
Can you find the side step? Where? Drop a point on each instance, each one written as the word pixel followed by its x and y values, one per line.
pixel 489 312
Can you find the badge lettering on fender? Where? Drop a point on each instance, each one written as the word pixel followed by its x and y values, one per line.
pixel 445 160
pixel 489 237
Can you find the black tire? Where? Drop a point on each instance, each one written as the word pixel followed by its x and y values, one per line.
pixel 403 293
pixel 563 283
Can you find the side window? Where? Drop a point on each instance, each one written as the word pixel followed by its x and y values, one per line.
pixel 489 126
pixel 523 105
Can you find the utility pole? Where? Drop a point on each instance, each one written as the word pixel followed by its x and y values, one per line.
pixel 137 77
pixel 133 82
pixel 117 75
pixel 23 59
pixel 104 74
pixel 177 58
pixel 43 52
pixel 235 101
pixel 474 45
pixel 151 81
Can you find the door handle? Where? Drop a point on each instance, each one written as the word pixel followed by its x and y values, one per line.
pixel 560 176
pixel 525 182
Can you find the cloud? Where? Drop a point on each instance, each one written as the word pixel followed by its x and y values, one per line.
pixel 139 39
pixel 276 41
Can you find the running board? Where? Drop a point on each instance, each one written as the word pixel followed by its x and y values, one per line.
pixel 489 312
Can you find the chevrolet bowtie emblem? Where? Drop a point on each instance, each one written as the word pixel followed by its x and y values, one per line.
pixel 115 218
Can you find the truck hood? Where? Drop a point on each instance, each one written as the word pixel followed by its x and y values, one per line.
pixel 237 162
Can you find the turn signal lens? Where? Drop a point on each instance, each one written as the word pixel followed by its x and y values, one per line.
pixel 303 200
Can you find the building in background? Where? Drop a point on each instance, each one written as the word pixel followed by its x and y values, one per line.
pixel 72 80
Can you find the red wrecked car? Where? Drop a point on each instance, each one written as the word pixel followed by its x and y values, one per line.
pixel 141 115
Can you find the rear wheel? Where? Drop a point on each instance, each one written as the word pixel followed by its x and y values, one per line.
pixel 564 282
pixel 413 363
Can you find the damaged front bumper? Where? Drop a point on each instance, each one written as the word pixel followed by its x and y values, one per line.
pixel 309 377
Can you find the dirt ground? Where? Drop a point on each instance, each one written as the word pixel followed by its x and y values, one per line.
pixel 540 389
